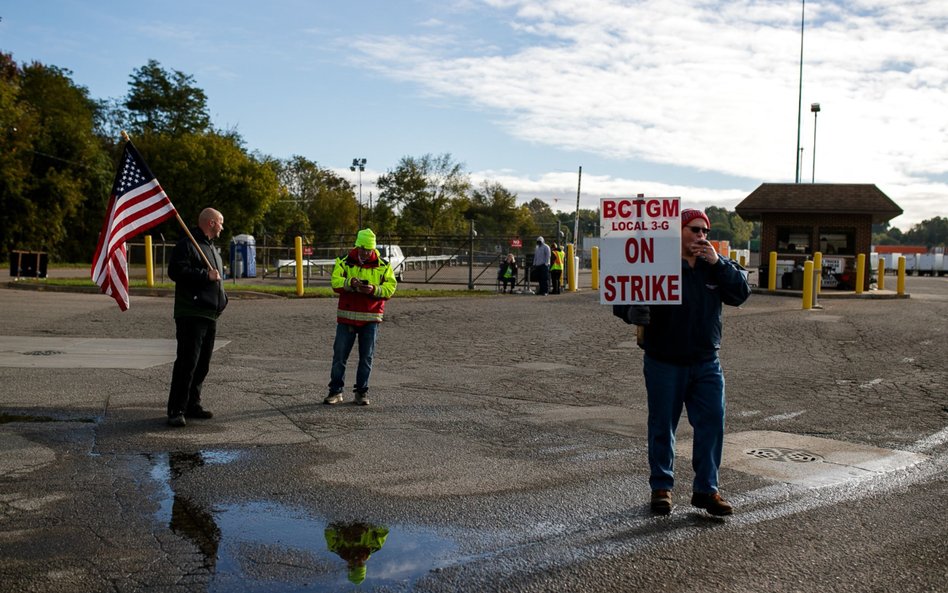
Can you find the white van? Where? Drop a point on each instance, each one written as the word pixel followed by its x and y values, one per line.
pixel 394 256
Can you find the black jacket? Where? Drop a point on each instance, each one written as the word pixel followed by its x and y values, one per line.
pixel 691 332
pixel 194 294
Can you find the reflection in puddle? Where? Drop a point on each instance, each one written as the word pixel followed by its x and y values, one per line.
pixel 355 543
pixel 263 546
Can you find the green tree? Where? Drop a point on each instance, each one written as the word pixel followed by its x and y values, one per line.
pixel 212 170
pixel 495 210
pixel 330 206
pixel 729 226
pixel 51 162
pixel 422 190
pixel 165 103
pixel 544 220
pixel 932 232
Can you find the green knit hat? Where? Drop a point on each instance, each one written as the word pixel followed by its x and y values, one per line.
pixel 357 573
pixel 365 239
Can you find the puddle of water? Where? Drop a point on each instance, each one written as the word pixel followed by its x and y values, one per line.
pixel 266 546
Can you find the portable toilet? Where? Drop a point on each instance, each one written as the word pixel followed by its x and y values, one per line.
pixel 243 257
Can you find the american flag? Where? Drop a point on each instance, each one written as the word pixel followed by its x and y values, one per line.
pixel 137 203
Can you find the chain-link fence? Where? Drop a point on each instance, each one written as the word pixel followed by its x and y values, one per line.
pixel 428 259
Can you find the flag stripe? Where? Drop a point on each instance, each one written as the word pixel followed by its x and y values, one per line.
pixel 136 204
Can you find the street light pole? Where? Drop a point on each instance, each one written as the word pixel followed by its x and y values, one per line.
pixel 359 165
pixel 815 108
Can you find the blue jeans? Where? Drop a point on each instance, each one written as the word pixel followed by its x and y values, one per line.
pixel 345 338
pixel 700 389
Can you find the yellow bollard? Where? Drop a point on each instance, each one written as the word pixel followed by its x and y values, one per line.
pixel 299 266
pixel 573 266
pixel 900 281
pixel 860 272
pixel 881 274
pixel 807 284
pixel 595 268
pixel 743 262
pixel 818 268
pixel 149 263
pixel 772 273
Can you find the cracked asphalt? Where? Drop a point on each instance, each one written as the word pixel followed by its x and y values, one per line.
pixel 504 450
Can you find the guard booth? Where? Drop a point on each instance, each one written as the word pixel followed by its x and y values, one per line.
pixel 243 257
pixel 28 264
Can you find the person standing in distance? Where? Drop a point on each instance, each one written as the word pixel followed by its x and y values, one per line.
pixel 541 267
pixel 558 256
pixel 682 369
pixel 199 299
pixel 364 282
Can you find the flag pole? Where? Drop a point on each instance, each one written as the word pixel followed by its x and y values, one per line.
pixel 182 223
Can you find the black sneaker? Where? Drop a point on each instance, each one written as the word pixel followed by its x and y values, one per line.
pixel 333 399
pixel 176 420
pixel 713 503
pixel 199 413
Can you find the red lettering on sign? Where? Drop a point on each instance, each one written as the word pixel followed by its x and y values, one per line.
pixel 640 208
pixel 641 289
pixel 640 250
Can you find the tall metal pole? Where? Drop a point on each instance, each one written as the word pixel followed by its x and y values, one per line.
pixel 800 98
pixel 815 108
pixel 579 184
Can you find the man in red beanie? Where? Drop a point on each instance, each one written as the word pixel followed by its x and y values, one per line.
pixel 682 369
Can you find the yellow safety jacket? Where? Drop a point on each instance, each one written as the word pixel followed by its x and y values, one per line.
pixel 558 257
pixel 356 308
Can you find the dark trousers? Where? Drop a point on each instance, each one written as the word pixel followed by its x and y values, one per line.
pixel 555 276
pixel 543 279
pixel 195 337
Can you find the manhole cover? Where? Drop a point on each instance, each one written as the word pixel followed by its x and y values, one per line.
pixel 782 454
pixel 43 353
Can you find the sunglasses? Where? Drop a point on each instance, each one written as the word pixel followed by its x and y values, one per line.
pixel 699 229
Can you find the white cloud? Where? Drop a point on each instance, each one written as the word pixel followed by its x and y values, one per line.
pixel 710 86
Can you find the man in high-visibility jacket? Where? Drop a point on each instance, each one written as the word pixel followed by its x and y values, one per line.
pixel 364 282
pixel 557 257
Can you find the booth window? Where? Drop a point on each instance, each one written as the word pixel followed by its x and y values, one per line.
pixel 837 241
pixel 793 239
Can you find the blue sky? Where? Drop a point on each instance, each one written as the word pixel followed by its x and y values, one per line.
pixel 689 98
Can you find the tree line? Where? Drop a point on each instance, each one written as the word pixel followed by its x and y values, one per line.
pixel 59 149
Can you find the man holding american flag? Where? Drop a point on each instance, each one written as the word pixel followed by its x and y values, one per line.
pixel 136 204
pixel 199 299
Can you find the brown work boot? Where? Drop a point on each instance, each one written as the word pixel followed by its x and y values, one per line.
pixel 661 502
pixel 713 503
